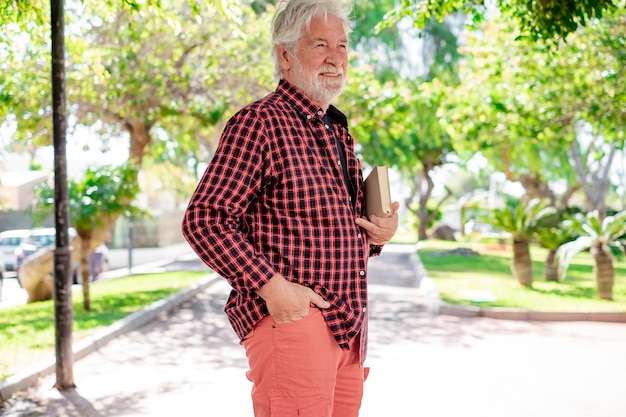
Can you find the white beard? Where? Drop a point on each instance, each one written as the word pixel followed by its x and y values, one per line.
pixel 317 90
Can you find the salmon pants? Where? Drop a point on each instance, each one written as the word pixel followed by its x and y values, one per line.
pixel 298 370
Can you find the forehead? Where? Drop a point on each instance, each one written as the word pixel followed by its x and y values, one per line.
pixel 325 27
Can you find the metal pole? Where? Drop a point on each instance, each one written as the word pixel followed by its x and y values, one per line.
pixel 131 227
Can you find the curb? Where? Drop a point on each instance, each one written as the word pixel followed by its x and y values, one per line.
pixel 527 315
pixel 30 376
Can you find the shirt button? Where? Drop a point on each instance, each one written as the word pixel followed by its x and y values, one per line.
pixel 359 236
pixel 364 309
pixel 339 162
pixel 319 113
pixel 362 273
pixel 327 127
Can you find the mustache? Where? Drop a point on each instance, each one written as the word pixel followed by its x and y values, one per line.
pixel 330 68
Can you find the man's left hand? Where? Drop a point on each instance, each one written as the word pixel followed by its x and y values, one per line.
pixel 380 230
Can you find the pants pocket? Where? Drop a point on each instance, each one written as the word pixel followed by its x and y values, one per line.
pixel 300 406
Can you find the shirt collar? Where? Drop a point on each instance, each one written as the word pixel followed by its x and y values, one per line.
pixel 306 107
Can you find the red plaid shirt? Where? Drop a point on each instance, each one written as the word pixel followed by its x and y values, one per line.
pixel 273 199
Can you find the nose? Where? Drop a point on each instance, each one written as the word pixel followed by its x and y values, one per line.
pixel 335 56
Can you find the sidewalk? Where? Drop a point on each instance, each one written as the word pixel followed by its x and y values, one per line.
pixel 187 361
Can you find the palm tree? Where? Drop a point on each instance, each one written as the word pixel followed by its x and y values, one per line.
pixel 600 236
pixel 521 221
pixel 95 203
pixel 552 238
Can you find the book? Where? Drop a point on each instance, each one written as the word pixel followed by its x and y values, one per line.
pixel 377 193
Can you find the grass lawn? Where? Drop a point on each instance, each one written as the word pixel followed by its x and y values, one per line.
pixel 486 280
pixel 27 331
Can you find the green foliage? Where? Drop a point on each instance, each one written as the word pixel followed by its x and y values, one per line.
pixel 592 231
pixel 388 42
pixel 553 237
pixel 442 40
pixel 497 109
pixel 101 193
pixel 522 105
pixel 177 67
pixel 550 20
pixel 521 220
pixel 22 11
pixel 395 123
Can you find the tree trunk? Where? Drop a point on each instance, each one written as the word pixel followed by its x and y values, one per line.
pixel 551 266
pixel 424 196
pixel 139 138
pixel 83 269
pixel 521 264
pixel 536 187
pixel 603 271
pixel 89 241
pixel 63 313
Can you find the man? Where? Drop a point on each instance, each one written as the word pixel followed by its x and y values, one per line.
pixel 278 214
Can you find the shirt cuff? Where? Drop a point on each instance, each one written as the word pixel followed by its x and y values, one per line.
pixel 375 249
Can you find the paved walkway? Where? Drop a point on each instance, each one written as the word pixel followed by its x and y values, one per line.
pixel 187 362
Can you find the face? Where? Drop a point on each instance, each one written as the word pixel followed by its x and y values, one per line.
pixel 320 64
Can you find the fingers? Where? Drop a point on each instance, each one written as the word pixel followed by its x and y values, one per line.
pixel 293 302
pixel 380 229
pixel 319 301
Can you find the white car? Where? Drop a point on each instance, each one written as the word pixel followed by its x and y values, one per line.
pixel 10 240
pixel 46 237
pixel 2 272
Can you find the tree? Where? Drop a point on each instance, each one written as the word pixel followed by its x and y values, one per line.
pixel 521 220
pixel 522 106
pixel 491 113
pixel 600 235
pixel 549 20
pixel 394 116
pixel 591 97
pixel 143 74
pixel 153 75
pixel 95 203
pixel 552 238
pixel 395 125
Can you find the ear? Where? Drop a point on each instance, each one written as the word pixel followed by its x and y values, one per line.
pixel 284 59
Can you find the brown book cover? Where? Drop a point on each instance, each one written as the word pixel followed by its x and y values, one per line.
pixel 377 193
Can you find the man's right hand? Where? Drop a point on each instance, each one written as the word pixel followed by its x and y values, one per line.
pixel 288 301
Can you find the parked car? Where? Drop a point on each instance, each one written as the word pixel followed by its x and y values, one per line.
pixel 43 237
pixel 2 272
pixel 10 240
pixel 37 239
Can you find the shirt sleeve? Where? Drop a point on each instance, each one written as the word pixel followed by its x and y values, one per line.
pixel 213 222
pixel 375 250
